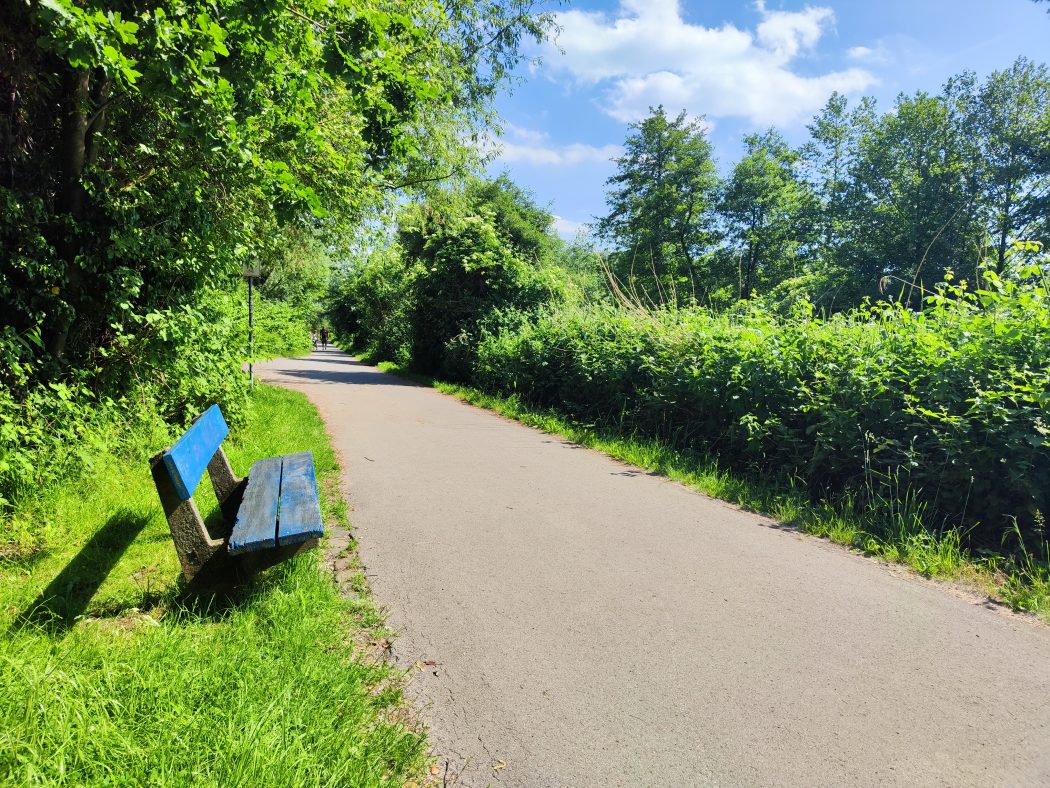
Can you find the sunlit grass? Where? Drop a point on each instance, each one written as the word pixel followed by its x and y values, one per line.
pixel 111 674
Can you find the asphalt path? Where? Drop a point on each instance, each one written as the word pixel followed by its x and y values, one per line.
pixel 572 621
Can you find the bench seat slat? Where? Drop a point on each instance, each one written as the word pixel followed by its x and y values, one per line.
pixel 187 460
pixel 300 514
pixel 256 526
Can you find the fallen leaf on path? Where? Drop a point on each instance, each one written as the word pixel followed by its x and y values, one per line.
pixel 499 765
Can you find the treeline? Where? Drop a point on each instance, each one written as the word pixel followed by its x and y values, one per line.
pixel 872 204
pixel 149 152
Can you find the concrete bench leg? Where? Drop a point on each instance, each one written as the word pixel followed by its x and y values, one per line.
pixel 198 552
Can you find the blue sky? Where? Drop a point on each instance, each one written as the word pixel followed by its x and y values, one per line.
pixel 743 64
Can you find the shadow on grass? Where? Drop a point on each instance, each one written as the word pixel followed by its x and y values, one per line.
pixel 217 597
pixel 67 596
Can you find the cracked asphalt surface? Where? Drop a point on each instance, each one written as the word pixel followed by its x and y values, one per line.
pixel 592 624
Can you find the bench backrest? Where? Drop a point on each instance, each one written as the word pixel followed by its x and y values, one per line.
pixel 187 460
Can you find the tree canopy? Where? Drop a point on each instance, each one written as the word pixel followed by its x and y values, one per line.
pixel 660 201
pixel 150 150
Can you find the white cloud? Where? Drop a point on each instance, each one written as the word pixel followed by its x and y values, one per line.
pixel 788 32
pixel 646 54
pixel 577 153
pixel 877 54
pixel 534 147
pixel 525 135
pixel 567 228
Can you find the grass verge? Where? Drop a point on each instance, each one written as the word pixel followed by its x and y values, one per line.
pixel 111 674
pixel 894 532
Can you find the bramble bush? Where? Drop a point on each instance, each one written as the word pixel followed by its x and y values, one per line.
pixel 949 406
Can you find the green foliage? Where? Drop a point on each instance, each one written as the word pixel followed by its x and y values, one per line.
pixel 872 206
pixel 1006 125
pixel 36 422
pixel 274 117
pixel 180 361
pixel 517 219
pixel 147 154
pixel 298 274
pixel 463 271
pixel 463 262
pixel 763 204
pixel 372 304
pixel 585 270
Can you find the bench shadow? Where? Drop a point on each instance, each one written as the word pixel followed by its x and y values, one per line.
pixel 67 596
pixel 215 598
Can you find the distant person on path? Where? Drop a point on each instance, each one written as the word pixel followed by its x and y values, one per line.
pixel 324 338
pixel 313 334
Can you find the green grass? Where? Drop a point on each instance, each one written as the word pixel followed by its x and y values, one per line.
pixel 1022 582
pixel 111 674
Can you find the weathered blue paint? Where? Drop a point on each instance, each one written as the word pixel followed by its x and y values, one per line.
pixel 299 518
pixel 188 459
pixel 256 525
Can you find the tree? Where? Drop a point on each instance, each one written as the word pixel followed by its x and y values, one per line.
pixel 1007 124
pixel 828 160
pixel 523 223
pixel 148 151
pixel 297 272
pixel 914 209
pixel 660 205
pixel 765 206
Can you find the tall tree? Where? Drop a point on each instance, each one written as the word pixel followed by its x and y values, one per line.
pixel 1007 124
pixel 915 212
pixel 660 206
pixel 146 150
pixel 828 160
pixel 766 207
pixel 523 223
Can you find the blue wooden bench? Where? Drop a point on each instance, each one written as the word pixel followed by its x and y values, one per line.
pixel 267 517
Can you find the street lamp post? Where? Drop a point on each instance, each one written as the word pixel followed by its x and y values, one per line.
pixel 251 273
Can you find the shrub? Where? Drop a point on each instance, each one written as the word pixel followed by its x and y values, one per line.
pixel 426 301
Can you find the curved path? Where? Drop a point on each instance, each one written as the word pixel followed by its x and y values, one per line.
pixel 572 621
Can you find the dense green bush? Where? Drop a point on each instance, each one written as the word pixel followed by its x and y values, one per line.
pixel 371 304
pixel 148 153
pixel 425 301
pixel 171 364
pixel 464 270
pixel 947 407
